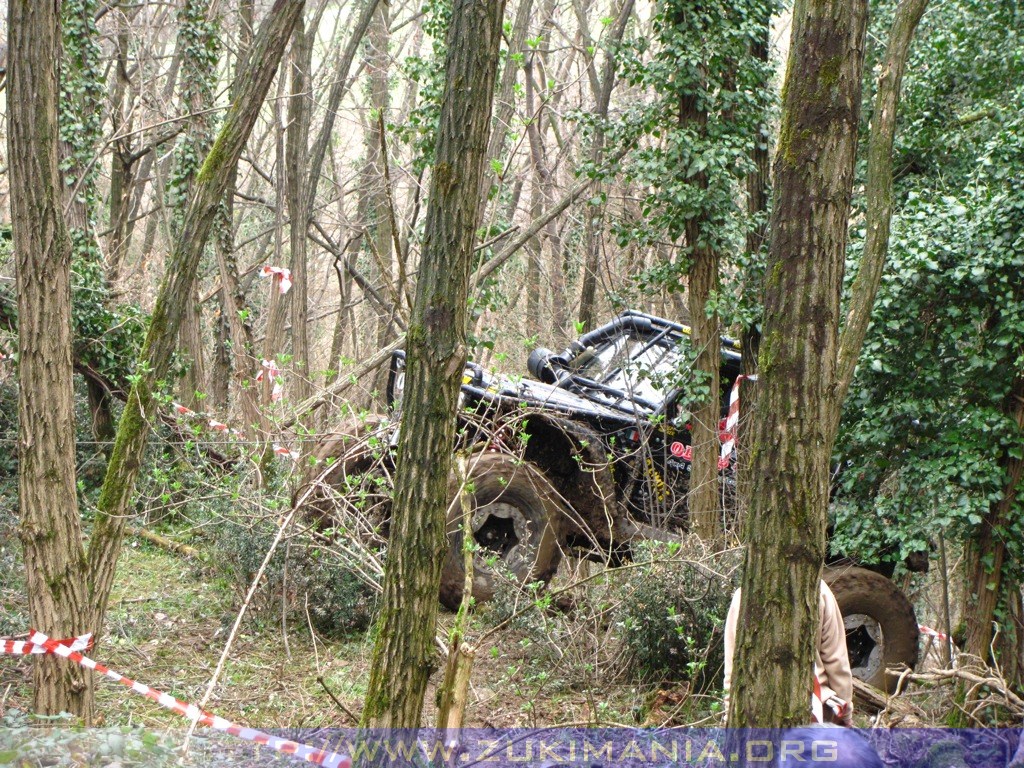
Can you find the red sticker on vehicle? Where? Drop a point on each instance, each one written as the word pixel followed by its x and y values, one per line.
pixel 678 449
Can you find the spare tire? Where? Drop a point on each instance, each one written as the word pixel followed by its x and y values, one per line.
pixel 881 627
pixel 514 514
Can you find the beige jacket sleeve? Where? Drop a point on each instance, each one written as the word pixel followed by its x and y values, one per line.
pixel 833 664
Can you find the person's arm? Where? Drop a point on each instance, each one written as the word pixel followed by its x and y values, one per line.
pixel 832 647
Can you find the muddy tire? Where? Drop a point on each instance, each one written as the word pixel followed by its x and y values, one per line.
pixel 350 483
pixel 881 627
pixel 514 518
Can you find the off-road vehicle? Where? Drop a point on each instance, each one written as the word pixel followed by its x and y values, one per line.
pixel 592 453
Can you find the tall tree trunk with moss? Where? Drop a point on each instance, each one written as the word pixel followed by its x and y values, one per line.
pixel 50 530
pixel 404 654
pixel 208 189
pixel 790 450
pixel 234 302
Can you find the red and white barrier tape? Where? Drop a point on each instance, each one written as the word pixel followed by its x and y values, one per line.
pixel 732 420
pixel 282 275
pixel 220 426
pixel 817 705
pixel 932 632
pixel 69 649
pixel 269 367
pixel 841 709
pixel 25 647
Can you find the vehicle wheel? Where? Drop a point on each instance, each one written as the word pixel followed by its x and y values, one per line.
pixel 514 518
pixel 355 490
pixel 881 627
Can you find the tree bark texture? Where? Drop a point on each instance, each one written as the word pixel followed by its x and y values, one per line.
pixel 504 102
pixel 785 531
pixel 403 655
pixel 376 192
pixel 208 188
pixel 296 151
pixel 50 529
pixel 595 213
pixel 543 179
pixel 985 588
pixel 702 497
pixel 878 193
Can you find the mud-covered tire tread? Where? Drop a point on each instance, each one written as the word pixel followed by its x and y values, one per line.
pixel 498 477
pixel 346 447
pixel 859 590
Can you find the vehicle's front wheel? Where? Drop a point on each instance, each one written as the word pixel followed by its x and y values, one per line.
pixel 881 627
pixel 513 516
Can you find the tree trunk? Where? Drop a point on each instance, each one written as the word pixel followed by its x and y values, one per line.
pixel 233 295
pixel 197 85
pixel 878 193
pixel 543 179
pixel 50 530
pixel 986 550
pixel 209 186
pixel 785 530
pixel 702 496
pixel 297 151
pixel 376 199
pixel 595 213
pixel 120 163
pixel 404 655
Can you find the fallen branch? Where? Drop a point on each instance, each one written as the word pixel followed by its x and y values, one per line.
pixel 890 709
pixel 163 542
pixel 977 676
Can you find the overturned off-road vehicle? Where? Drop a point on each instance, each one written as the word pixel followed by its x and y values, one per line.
pixel 590 454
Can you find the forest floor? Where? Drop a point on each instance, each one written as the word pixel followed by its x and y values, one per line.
pixel 169 620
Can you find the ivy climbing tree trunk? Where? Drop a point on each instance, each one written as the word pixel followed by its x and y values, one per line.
pixel 986 552
pixel 785 528
pixel 702 498
pixel 50 531
pixel 403 654
pixel 208 188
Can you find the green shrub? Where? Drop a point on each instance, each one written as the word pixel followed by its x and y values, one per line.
pixel 672 613
pixel 303 574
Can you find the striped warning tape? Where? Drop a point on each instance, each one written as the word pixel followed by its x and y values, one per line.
pixel 732 420
pixel 281 275
pixel 932 632
pixel 70 649
pixel 840 708
pixel 25 647
pixel 817 705
pixel 220 426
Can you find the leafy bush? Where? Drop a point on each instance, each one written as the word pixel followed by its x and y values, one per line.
pixel 672 613
pixel 301 573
